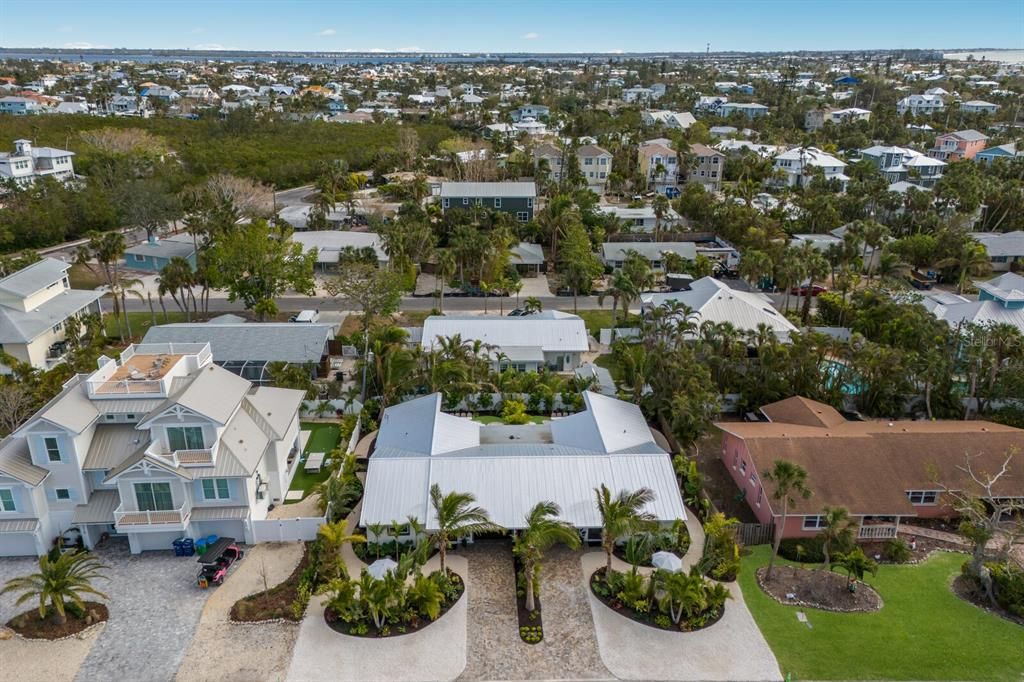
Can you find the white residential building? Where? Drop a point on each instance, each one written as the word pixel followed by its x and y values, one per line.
pixel 159 445
pixel 798 165
pixel 677 120
pixel 508 469
pixel 977 106
pixel 920 105
pixel 38 307
pixel 550 339
pixel 640 219
pixel 29 162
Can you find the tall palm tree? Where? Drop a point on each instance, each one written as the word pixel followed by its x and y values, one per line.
pixel 66 579
pixel 972 259
pixel 457 517
pixel 177 279
pixel 542 531
pixel 815 267
pixel 445 269
pixel 838 531
pixel 622 289
pixel 790 479
pixel 622 516
pixel 661 207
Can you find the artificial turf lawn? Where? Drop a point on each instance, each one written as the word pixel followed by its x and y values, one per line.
pixel 324 438
pixel 923 631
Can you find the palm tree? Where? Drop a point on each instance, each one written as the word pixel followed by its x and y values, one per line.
pixel 661 207
pixel 972 259
pixel 532 304
pixel 815 267
pixel 790 479
pixel 445 269
pixel 856 564
pixel 622 516
pixel 838 531
pixel 124 287
pixel 542 531
pixel 621 289
pixel 516 286
pixel 457 517
pixel 60 581
pixel 333 536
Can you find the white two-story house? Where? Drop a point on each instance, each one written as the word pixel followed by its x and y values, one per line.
pixel 28 163
pixel 39 312
pixel 157 445
pixel 798 166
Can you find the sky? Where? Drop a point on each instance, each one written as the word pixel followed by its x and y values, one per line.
pixel 512 25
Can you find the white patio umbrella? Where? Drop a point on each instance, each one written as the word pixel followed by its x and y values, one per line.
pixel 379 568
pixel 667 561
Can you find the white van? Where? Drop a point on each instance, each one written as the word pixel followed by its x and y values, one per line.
pixel 307 316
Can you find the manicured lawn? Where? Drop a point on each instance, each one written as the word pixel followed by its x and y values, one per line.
pixel 324 438
pixel 609 362
pixel 596 320
pixel 81 277
pixel 140 321
pixel 491 419
pixel 924 632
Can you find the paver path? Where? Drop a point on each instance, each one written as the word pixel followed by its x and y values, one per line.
pixel 495 651
pixel 154 608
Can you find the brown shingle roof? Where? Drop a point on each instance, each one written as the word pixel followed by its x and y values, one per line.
pixel 798 410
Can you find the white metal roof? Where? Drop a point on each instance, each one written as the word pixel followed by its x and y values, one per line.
pixel 550 330
pixel 488 189
pixel 714 300
pixel 32 278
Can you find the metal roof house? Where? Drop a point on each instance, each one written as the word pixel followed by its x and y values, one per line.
pixel 550 339
pixel 517 198
pixel 37 308
pixel 154 254
pixel 156 445
pixel 511 468
pixel 247 348
pixel 715 301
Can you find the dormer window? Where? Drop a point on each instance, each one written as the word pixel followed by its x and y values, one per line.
pixel 52 449
pixel 185 437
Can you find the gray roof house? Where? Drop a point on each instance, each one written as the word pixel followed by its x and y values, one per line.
pixel 246 349
pixel 37 307
pixel 517 198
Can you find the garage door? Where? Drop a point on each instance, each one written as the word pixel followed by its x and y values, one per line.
pixel 18 544
pixel 224 529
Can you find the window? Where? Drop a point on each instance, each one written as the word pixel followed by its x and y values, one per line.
pixel 446 203
pixel 522 216
pixel 529 202
pixel 753 478
pixel 603 175
pixel 760 494
pixel 814 522
pixel 139 258
pixel 57 327
pixel 604 161
pixel 111 417
pixel 6 500
pixel 735 459
pixel 63 493
pixel 154 496
pixel 497 202
pixel 52 449
pixel 714 160
pixel 216 489
pixel 923 496
pixel 588 162
pixel 465 201
pixel 743 465
pixel 185 437
pixel 129 417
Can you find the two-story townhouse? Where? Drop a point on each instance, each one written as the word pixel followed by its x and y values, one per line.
pixel 38 308
pixel 28 162
pixel 595 165
pixel 535 111
pixel 750 110
pixel 552 158
pixel 659 164
pixel 157 445
pixel 515 198
pixel 18 106
pixel 801 164
pixel 707 167
pixel 962 144
pixel 900 164
pixel 920 105
pixel 1007 152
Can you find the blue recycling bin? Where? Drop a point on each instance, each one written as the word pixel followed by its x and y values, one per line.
pixel 187 547
pixel 212 540
pixel 178 545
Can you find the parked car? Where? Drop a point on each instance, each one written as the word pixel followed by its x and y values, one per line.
pixel 518 312
pixel 802 291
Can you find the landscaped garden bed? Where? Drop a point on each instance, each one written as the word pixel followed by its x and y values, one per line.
pixel 369 607
pixel 1007 586
pixel 818 589
pixel 673 602
pixel 31 626
pixel 531 624
pixel 278 602
pixel 639 549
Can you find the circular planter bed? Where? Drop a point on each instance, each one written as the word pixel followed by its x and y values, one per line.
pixel 366 627
pixel 967 589
pixel 818 589
pixel 653 618
pixel 30 626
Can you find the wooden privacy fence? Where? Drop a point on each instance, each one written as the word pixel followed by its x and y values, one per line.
pixel 755 533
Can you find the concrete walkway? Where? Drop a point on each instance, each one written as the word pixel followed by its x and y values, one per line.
pixel 437 652
pixel 732 649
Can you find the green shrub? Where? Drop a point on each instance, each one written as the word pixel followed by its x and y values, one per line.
pixel 1008 587
pixel 514 412
pixel 897 551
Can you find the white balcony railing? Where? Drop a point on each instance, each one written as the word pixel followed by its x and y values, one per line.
pixel 164 517
pixel 876 532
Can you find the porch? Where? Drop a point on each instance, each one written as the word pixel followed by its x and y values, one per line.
pixel 157 520
pixel 878 527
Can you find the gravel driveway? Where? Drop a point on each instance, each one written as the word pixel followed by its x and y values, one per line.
pixel 154 608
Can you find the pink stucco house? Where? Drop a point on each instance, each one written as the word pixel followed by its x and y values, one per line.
pixel 963 144
pixel 881 471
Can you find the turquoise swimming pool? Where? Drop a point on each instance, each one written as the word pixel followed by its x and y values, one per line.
pixel 836 370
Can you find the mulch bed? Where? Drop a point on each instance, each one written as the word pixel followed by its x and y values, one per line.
pixel 819 589
pixel 925 547
pixel 967 589
pixel 531 625
pixel 393 629
pixel 645 618
pixel 29 625
pixel 275 603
